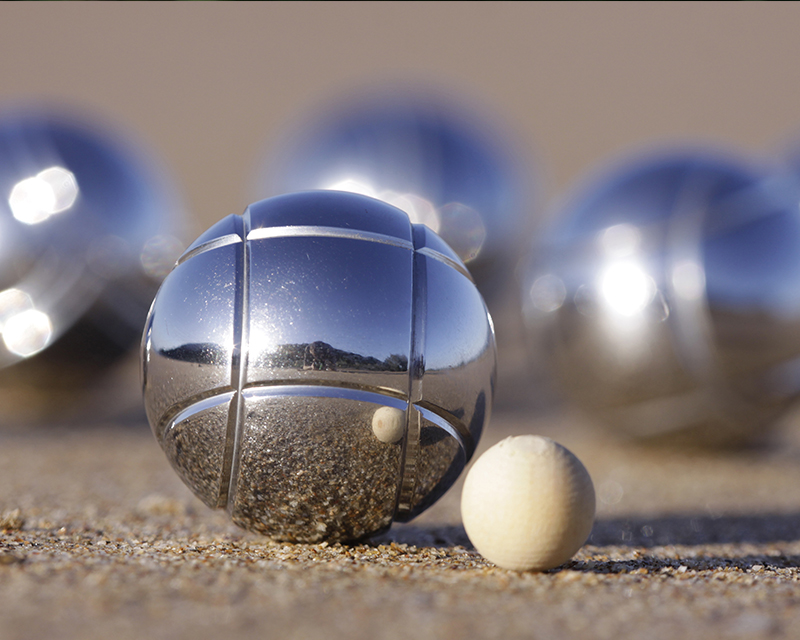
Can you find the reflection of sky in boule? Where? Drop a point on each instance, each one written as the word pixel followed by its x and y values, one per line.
pixel 451 338
pixel 361 305
pixel 195 303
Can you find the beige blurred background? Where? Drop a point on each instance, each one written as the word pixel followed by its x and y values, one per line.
pixel 210 86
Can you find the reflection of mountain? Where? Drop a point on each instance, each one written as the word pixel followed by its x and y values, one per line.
pixel 323 357
pixel 314 355
pixel 199 352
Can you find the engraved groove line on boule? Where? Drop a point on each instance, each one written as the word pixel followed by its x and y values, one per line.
pixel 416 370
pixel 312 231
pixel 239 365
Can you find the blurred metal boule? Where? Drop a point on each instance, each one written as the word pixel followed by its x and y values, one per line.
pixel 666 297
pixel 443 162
pixel 88 227
pixel 318 366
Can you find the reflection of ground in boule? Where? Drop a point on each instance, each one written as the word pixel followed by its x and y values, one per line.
pixel 195 447
pixel 311 469
pixel 174 385
pixel 439 463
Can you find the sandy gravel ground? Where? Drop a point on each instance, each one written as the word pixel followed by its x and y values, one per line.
pixel 99 539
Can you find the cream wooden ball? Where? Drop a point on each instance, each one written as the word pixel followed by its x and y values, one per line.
pixel 528 504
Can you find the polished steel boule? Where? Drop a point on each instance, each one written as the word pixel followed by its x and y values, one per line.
pixel 666 296
pixel 318 366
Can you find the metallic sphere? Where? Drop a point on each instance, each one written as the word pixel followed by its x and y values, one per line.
pixel 666 296
pixel 444 167
pixel 87 231
pixel 318 366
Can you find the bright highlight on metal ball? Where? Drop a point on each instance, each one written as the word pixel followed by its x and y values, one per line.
pixel 665 297
pixel 318 367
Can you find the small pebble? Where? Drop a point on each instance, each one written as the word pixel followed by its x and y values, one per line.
pixel 528 504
